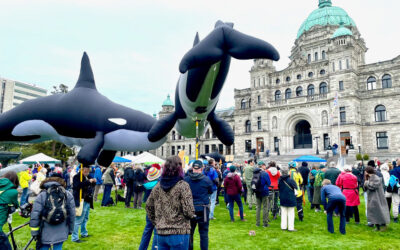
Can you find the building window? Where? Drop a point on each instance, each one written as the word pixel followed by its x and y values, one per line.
pixel 247 146
pixel 342 114
pixel 243 104
pixel 380 113
pixel 259 82
pixel 221 149
pixel 288 93
pixel 213 148
pixel 340 64
pixel 278 81
pixel 228 150
pixel 310 74
pixel 341 85
pixel 323 88
pixel 258 99
pixel 322 72
pixel 323 55
pixel 386 81
pixel 207 135
pixel 347 64
pixel 277 95
pixel 299 91
pixel 207 149
pixel 333 66
pixel 248 126
pixel 310 90
pixel 316 56
pixel 326 141
pixel 382 140
pixel 259 123
pixel 173 150
pixel 173 135
pixel 179 137
pixel 298 77
pixel 288 79
pixel 371 83
pixel 309 58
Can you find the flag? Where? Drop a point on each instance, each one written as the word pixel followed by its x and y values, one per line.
pixel 336 100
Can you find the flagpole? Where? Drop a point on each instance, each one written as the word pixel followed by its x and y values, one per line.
pixel 340 141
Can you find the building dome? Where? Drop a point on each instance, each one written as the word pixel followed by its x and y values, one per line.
pixel 326 14
pixel 168 102
pixel 342 31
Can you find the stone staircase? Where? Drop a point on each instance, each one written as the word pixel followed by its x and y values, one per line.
pixel 285 159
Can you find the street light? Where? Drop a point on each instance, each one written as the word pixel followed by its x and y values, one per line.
pixel 316 138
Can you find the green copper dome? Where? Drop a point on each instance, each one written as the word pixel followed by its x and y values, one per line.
pixel 168 102
pixel 342 31
pixel 326 14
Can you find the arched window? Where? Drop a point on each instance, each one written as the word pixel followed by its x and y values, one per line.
pixel 299 91
pixel 248 126
pixel 323 55
pixel 298 77
pixel 288 93
pixel 173 136
pixel 380 113
pixel 386 81
pixel 288 78
pixel 179 137
pixel 243 104
pixel 207 135
pixel 278 81
pixel 323 88
pixel 310 74
pixel 316 56
pixel 371 83
pixel 310 90
pixel 309 58
pixel 322 72
pixel 277 95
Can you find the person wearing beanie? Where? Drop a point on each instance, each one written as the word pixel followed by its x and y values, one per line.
pixel 348 183
pixel 296 176
pixel 319 177
pixel 233 188
pixel 201 188
pixel 274 176
pixel 287 197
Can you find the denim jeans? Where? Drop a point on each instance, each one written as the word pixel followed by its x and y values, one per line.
pixel 341 205
pixel 24 196
pixel 213 200
pixel 4 243
pixel 80 222
pixel 203 229
pixel 173 242
pixel 106 194
pixel 146 236
pixel 231 200
pixel 57 246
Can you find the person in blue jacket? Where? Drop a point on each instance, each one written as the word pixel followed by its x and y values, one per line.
pixel 336 200
pixel 99 182
pixel 262 194
pixel 212 174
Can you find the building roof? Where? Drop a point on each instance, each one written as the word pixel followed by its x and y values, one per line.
pixel 225 112
pixel 168 102
pixel 326 14
pixel 342 31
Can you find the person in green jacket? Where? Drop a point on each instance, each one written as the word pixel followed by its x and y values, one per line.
pixel 248 176
pixel 8 197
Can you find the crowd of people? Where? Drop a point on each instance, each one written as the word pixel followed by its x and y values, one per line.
pixel 180 198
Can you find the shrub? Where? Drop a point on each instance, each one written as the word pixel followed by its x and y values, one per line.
pixel 359 157
pixel 366 157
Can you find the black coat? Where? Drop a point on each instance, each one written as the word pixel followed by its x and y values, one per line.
pixel 304 171
pixel 286 191
pixel 87 189
pixel 202 188
pixel 129 176
pixel 138 180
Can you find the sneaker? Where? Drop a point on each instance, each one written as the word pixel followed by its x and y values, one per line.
pixel 317 210
pixel 294 230
pixel 85 236
pixel 267 225
pixel 213 218
pixel 77 241
pixel 243 220
pixel 232 221
pixel 301 219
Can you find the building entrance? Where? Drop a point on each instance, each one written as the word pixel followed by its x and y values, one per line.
pixel 302 137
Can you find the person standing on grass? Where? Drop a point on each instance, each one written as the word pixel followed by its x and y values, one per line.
pixel 274 176
pixel 153 176
pixel 129 176
pixel 262 194
pixel 201 188
pixel 138 188
pixel 248 175
pixel 310 186
pixel 108 181
pixel 86 187
pixel 170 207
pixel 296 176
pixel 348 183
pixel 378 212
pixel 25 178
pixel 211 173
pixel 233 188
pixel 393 189
pixel 318 179
pixel 287 197
pixel 99 182
pixel 332 173
pixel 336 200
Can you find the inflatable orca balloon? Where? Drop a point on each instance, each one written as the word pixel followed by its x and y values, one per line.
pixel 82 117
pixel 204 69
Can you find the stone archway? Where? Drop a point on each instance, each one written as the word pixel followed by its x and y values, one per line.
pixel 292 120
pixel 302 137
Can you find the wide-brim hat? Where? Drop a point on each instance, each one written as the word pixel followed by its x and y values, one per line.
pixel 153 174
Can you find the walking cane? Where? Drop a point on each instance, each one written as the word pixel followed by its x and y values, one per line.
pixel 29 242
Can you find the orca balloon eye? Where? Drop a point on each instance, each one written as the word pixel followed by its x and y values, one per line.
pixel 118 121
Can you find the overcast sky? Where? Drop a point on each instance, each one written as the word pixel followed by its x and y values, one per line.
pixel 135 46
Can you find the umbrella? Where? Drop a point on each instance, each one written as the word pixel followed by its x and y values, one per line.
pixel 118 159
pixel 216 156
pixel 16 168
pixel 204 161
pixel 309 158
pixel 39 158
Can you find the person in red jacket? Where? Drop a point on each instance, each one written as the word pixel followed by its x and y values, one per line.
pixel 348 183
pixel 274 176
pixel 233 188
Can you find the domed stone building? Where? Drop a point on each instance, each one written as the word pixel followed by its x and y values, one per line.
pixel 326 95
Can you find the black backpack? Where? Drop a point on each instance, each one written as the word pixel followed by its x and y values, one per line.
pixel 55 206
pixel 256 183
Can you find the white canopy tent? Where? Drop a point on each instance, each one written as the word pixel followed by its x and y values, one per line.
pixel 147 158
pixel 39 158
pixel 130 157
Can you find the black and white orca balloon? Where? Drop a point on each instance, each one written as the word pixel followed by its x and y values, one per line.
pixel 82 117
pixel 204 69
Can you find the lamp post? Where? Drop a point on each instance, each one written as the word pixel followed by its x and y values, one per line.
pixel 359 151
pixel 316 139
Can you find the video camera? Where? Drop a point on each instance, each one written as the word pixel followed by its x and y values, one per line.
pixel 26 210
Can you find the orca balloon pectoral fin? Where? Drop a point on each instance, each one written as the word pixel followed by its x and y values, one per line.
pixel 89 152
pixel 162 127
pixel 221 129
pixel 106 157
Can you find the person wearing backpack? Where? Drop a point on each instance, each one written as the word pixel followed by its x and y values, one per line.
pixel 233 188
pixel 53 214
pixel 296 176
pixel 391 191
pixel 248 175
pixel 287 197
pixel 260 186
pixel 8 199
pixel 318 179
pixel 138 189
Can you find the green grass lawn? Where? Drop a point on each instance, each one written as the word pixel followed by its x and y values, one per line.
pixel 121 228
